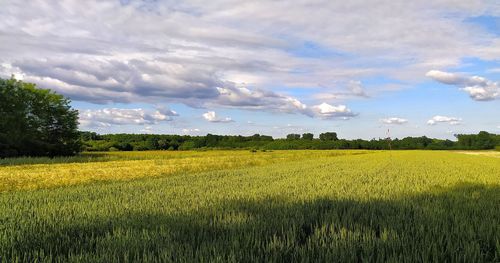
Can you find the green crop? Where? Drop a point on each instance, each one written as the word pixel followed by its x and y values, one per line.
pixel 242 206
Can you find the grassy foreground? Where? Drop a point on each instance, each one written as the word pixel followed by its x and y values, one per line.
pixel 237 206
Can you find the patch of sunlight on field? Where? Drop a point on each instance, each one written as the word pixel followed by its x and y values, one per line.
pixel 35 173
pixel 482 153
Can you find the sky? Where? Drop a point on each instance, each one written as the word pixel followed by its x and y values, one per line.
pixel 359 68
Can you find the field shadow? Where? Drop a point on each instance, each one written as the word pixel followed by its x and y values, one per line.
pixel 459 224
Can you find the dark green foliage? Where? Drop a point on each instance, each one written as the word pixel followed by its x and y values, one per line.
pixel 481 141
pixel 36 122
pixel 329 140
pixel 293 136
pixel 307 136
pixel 87 136
pixel 141 142
pixel 328 136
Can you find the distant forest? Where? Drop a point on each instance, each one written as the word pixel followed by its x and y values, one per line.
pixel 329 140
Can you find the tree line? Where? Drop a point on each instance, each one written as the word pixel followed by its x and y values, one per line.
pixel 328 140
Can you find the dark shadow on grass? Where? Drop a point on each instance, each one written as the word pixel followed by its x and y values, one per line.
pixel 461 224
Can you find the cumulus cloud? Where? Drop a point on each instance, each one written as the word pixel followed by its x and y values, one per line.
pixel 115 116
pixel 327 111
pixel 212 117
pixel 394 120
pixel 246 98
pixel 446 77
pixel 444 119
pixel 478 88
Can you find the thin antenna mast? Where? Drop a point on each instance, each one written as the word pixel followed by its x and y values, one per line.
pixel 389 139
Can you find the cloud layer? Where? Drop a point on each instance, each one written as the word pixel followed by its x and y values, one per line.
pixel 125 51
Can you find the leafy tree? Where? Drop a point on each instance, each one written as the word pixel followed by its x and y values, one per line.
pixel 212 140
pixel 140 146
pixel 255 137
pixel 293 136
pixel 123 146
pixel 152 143
pixel 163 144
pixel 307 136
pixel 481 141
pixel 36 122
pixel 328 136
pixel 88 136
pixel 188 145
pixel 266 138
pixel 485 140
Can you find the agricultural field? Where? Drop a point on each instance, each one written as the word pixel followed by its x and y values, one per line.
pixel 242 206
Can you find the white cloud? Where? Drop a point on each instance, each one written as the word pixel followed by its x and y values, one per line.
pixel 114 116
pixel 212 117
pixel 444 119
pixel 445 77
pixel 191 131
pixel 256 99
pixel 478 88
pixel 147 129
pixel 327 111
pixel 394 120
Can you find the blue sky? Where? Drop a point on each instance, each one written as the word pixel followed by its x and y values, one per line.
pixel 268 67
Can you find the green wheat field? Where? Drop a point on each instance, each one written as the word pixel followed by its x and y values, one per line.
pixel 242 206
